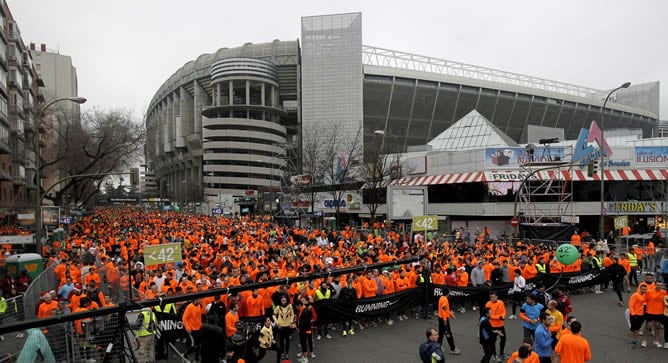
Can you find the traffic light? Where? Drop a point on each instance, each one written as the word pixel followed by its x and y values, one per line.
pixel 592 168
pixel 134 176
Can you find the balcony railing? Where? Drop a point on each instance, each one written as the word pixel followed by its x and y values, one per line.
pixel 18 180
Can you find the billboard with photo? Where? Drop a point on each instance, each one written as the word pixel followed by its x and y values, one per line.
pixel 514 157
pixel 406 202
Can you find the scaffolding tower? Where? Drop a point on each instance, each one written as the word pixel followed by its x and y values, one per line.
pixel 546 194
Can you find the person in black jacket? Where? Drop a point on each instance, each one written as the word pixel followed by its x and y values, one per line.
pixel 305 328
pixel 616 272
pixel 348 293
pixel 487 336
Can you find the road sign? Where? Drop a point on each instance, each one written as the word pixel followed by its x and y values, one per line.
pixel 216 211
pixel 65 220
pixel 159 254
pixel 514 221
pixel 425 223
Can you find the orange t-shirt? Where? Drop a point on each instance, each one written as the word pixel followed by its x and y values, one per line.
pixel 444 308
pixel 497 310
pixel 654 301
pixel 532 358
pixel 572 348
pixel 636 304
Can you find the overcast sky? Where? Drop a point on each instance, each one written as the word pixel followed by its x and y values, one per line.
pixel 125 49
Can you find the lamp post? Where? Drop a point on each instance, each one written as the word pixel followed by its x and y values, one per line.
pixel 38 166
pixel 601 224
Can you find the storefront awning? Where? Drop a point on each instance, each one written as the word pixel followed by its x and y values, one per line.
pixel 519 175
pixel 456 178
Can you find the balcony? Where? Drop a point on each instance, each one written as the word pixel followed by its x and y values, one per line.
pixel 4 175
pixel 30 159
pixel 28 124
pixel 27 105
pixel 18 180
pixel 17 109
pixel 16 128
pixel 4 145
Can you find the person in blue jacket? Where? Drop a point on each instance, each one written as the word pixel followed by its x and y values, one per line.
pixel 543 341
pixel 530 314
pixel 430 351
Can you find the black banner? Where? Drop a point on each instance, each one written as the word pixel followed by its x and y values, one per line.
pixel 571 280
pixel 336 310
pixel 170 327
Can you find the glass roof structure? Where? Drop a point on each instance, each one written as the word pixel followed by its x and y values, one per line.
pixel 472 131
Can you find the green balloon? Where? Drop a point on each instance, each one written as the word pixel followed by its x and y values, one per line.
pixel 567 254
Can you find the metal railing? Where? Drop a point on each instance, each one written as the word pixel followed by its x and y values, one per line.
pixel 375 56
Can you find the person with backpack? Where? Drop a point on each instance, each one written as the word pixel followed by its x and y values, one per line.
pixel 430 351
pixel 487 335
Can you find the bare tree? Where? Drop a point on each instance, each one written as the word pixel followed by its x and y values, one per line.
pixel 341 156
pixel 313 162
pixel 378 171
pixel 104 142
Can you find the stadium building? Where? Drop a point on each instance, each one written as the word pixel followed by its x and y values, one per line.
pixel 230 122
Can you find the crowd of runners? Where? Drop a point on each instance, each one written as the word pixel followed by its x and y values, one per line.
pixel 102 257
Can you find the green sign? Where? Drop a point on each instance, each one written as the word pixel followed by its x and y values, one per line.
pixel 621 222
pixel 425 223
pixel 159 254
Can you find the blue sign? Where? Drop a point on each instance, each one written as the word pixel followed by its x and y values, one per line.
pixel 652 155
pixel 65 220
pixel 216 211
pixel 317 213
pixel 166 207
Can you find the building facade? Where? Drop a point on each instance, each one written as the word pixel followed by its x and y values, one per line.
pixel 20 98
pixel 222 124
pixel 60 81
pixel 212 129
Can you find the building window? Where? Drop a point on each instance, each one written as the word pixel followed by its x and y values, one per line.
pixel 239 92
pixel 255 92
pixel 224 93
pixel 267 96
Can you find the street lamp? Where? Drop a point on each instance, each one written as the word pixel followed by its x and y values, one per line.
pixel 38 174
pixel 601 224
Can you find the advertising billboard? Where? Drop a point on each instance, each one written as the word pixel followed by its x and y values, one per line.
pixel 652 156
pixel 514 157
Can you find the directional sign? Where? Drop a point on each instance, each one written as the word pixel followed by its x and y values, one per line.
pixel 216 211
pixel 425 223
pixel 159 254
pixel 65 220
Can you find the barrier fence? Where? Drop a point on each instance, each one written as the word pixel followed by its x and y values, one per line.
pixel 106 334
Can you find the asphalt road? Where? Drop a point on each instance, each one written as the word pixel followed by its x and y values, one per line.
pixel 603 323
pixel 604 326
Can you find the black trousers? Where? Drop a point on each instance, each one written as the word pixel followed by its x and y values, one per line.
pixel 444 331
pixel 488 350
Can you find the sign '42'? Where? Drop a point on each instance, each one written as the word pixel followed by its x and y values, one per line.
pixel 425 223
pixel 160 254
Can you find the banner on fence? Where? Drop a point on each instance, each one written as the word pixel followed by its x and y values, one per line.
pixel 170 326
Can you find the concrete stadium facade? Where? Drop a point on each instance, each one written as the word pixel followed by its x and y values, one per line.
pixel 230 122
